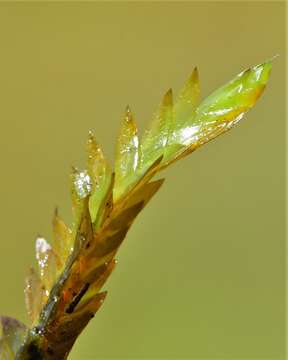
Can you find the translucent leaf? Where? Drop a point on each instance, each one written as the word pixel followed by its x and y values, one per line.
pixel 156 137
pixel 106 205
pixel 185 106
pixel 188 98
pixel 63 240
pixel 234 98
pixel 85 230
pixel 34 295
pixel 47 262
pixel 80 188
pixel 127 154
pixel 13 333
pixel 221 110
pixel 100 175
pixel 141 177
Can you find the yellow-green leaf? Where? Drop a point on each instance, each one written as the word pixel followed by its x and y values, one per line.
pixel 100 175
pixel 155 139
pixel 63 240
pixel 221 110
pixel 35 295
pixel 47 262
pixel 127 154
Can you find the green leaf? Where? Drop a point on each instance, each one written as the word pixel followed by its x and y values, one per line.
pixel 63 240
pixel 187 100
pixel 80 189
pixel 221 110
pixel 100 175
pixel 47 262
pixel 127 154
pixel 156 138
pixel 35 295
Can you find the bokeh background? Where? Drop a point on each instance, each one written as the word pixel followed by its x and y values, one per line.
pixel 201 273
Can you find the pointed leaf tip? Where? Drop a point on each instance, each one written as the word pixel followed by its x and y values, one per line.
pixel 127 153
pixel 194 77
pixel 100 174
pixel 184 111
pixel 90 134
pixel 63 240
pixel 92 143
pixel 219 112
pixel 128 111
pixel 261 73
pixel 47 262
pixel 188 97
pixel 156 137
pixel 168 97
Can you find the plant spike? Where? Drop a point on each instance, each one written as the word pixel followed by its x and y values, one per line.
pixel 66 294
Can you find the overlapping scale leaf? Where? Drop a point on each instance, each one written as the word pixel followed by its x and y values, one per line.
pixel 58 341
pixel 127 155
pixel 47 262
pixel 106 206
pixel 100 176
pixel 222 109
pixel 84 232
pixel 97 283
pixel 187 100
pixel 234 98
pixel 108 240
pixel 63 240
pixel 184 108
pixel 95 256
pixel 155 139
pixel 143 176
pixel 80 188
pixel 91 305
pixel 143 193
pixel 35 295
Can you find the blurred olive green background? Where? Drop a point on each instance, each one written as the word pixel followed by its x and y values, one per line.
pixel 201 273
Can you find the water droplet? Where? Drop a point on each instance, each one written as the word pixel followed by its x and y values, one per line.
pixel 82 184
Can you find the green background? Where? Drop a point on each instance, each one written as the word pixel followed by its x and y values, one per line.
pixel 201 273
